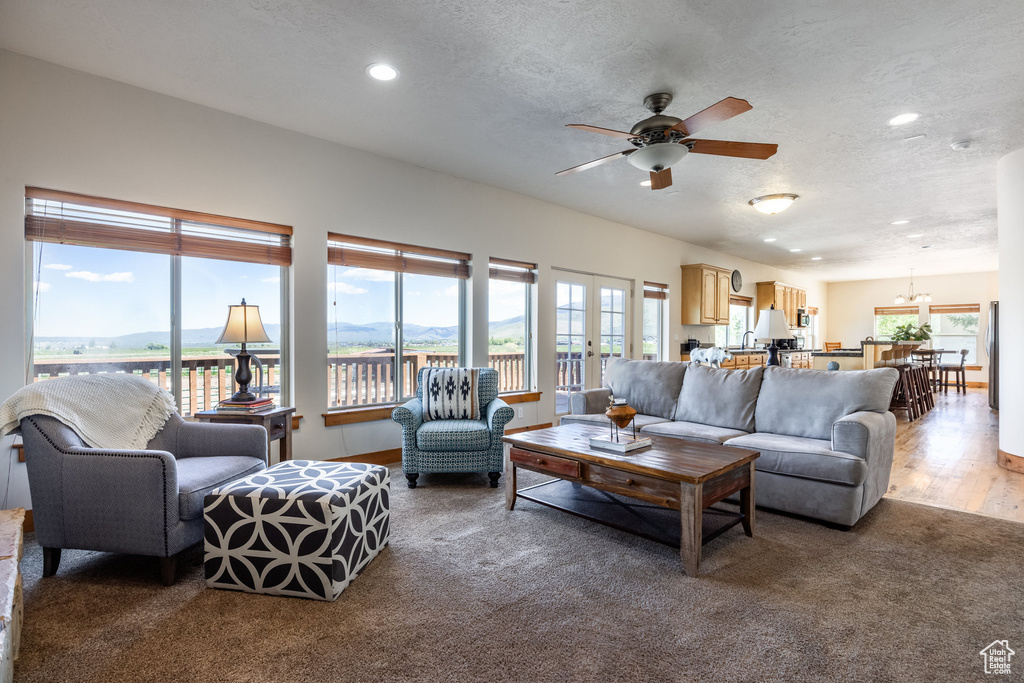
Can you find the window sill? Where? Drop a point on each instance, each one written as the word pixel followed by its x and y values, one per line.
pixel 521 397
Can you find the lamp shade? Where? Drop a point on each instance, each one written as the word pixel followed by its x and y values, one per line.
pixel 658 157
pixel 244 326
pixel 771 324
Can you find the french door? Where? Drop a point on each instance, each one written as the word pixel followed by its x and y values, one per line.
pixel 592 324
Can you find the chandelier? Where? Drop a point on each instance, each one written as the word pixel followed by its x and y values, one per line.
pixel 911 297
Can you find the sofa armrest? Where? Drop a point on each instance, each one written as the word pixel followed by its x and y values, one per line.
pixel 589 401
pixel 499 414
pixel 210 439
pixel 866 434
pixel 409 415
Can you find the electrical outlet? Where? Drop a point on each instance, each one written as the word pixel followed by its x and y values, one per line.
pixel 520 412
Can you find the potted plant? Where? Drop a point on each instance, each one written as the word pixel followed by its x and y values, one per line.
pixel 912 332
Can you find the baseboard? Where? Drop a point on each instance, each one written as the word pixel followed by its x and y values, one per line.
pixel 978 385
pixel 388 457
pixel 1009 461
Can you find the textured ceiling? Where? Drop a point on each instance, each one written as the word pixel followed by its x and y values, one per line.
pixel 487 87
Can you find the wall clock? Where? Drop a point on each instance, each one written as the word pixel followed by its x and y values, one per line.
pixel 737 281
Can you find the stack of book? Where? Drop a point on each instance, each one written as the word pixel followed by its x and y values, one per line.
pixel 254 406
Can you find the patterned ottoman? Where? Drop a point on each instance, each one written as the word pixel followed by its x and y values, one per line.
pixel 300 528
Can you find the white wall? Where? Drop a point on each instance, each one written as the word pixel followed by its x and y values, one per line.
pixel 70 131
pixel 852 305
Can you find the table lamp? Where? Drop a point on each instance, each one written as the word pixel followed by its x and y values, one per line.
pixel 243 326
pixel 772 325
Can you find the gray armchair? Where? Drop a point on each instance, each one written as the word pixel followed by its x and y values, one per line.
pixel 147 502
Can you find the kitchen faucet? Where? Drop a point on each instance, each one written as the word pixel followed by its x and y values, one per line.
pixel 743 340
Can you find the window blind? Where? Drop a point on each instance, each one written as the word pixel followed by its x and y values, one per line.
pixel 954 308
pixel 512 271
pixel 364 252
pixel 655 290
pixel 897 310
pixel 67 218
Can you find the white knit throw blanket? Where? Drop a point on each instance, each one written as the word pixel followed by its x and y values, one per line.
pixel 106 410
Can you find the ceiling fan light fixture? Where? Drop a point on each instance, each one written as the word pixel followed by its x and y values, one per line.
pixel 658 157
pixel 773 203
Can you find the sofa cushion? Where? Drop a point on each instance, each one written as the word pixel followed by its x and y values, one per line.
pixel 808 402
pixel 802 457
pixel 600 419
pixel 200 475
pixel 719 397
pixel 651 387
pixel 693 431
pixel 443 436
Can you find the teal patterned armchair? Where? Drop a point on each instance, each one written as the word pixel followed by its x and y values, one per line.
pixel 454 445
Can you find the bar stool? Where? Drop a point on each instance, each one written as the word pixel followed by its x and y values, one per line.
pixel 927 358
pixel 959 374
pixel 905 395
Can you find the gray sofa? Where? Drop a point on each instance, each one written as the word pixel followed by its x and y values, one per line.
pixel 826 438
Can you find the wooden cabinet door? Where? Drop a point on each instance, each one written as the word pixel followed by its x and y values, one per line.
pixel 801 298
pixel 709 296
pixel 790 306
pixel 724 287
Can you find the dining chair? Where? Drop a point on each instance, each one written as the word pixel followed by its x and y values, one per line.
pixel 832 346
pixel 959 374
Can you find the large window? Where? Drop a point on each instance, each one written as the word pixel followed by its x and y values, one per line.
pixel 655 296
pixel 731 335
pixel 509 321
pixel 888 318
pixel 133 288
pixel 391 310
pixel 955 327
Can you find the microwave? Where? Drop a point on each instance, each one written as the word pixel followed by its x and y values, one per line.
pixel 802 319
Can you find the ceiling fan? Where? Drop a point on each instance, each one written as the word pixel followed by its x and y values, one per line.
pixel 661 141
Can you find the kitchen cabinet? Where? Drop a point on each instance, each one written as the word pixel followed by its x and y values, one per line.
pixel 705 295
pixel 786 298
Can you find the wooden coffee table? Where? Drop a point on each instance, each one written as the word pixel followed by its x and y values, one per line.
pixel 676 474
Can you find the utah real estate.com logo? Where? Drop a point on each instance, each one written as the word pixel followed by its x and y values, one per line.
pixel 997 657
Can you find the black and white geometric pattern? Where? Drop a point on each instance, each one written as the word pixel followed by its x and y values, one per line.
pixel 300 528
pixel 451 394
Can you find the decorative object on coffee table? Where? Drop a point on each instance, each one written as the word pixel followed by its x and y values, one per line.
pixel 300 528
pixel 674 473
pixel 619 415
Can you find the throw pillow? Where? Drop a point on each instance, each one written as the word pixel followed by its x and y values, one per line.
pixel 451 394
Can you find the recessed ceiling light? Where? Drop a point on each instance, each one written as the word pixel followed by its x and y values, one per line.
pixel 960 145
pixel 919 136
pixel 795 250
pixel 900 222
pixel 773 203
pixel 914 237
pixel 769 239
pixel 901 119
pixel 926 246
pixel 815 258
pixel 645 183
pixel 382 72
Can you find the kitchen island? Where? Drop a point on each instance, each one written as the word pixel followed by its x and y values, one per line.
pixel 751 358
pixel 864 358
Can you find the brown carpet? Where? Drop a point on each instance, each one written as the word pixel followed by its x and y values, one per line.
pixel 470 592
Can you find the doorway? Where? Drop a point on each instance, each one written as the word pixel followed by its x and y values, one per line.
pixel 592 324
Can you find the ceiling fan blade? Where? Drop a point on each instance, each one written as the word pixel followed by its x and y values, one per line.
pixel 602 131
pixel 661 179
pixel 596 162
pixel 725 148
pixel 716 113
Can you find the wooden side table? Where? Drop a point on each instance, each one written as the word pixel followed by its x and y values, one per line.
pixel 277 422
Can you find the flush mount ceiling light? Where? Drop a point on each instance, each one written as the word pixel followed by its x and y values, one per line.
pixel 773 203
pixel 382 72
pixel 910 296
pixel 901 119
pixel 900 222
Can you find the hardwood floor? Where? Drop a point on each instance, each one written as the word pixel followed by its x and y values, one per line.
pixel 948 459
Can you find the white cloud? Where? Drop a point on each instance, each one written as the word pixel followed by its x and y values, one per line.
pixel 451 291
pixel 273 279
pixel 57 266
pixel 345 288
pixel 369 274
pixel 42 286
pixel 89 276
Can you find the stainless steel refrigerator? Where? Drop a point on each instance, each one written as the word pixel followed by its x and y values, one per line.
pixel 992 349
